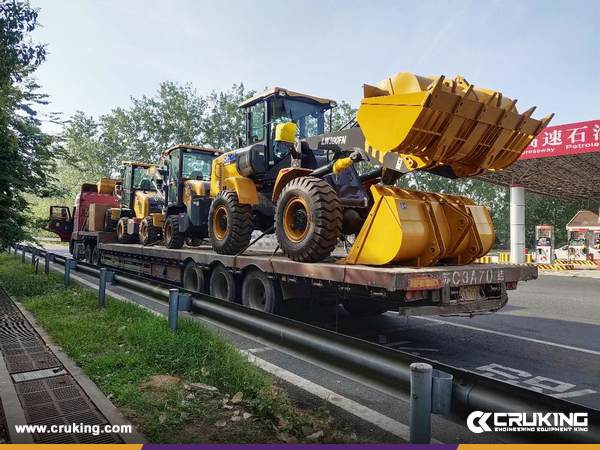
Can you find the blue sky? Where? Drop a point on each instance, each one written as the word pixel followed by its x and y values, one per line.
pixel 102 52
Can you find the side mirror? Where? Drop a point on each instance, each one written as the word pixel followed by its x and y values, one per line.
pixel 239 142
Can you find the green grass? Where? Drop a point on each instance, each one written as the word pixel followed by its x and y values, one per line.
pixel 122 346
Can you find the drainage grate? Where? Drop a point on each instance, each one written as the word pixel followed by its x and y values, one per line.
pixel 48 394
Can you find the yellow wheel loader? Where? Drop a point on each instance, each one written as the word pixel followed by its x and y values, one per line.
pixel 133 221
pixel 295 177
pixel 186 171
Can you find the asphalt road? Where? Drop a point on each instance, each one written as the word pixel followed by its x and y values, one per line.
pixel 547 339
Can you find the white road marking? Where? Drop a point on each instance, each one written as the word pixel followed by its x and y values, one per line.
pixel 418 349
pixel 514 336
pixel 344 403
pixel 391 344
pixel 258 350
pixel 574 393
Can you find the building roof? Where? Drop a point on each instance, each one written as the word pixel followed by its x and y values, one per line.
pixel 286 92
pixel 584 219
pixel 135 163
pixel 563 162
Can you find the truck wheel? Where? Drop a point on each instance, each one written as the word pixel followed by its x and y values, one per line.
pixel 222 283
pixel 71 246
pixel 308 219
pixel 96 256
pixel 193 242
pixel 122 236
pixel 230 224
pixel 193 277
pixel 260 292
pixel 88 253
pixel 110 225
pixel 173 238
pixel 149 234
pixel 363 308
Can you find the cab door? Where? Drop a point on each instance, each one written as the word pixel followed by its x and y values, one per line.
pixel 61 222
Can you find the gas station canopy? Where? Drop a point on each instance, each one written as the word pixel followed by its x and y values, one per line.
pixel 562 162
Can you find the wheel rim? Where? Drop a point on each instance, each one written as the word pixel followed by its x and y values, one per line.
pixel 220 286
pixel 257 295
pixel 143 231
pixel 168 232
pixel 220 222
pixel 296 219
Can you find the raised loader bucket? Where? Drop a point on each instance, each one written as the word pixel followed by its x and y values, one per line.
pixel 434 122
pixel 413 228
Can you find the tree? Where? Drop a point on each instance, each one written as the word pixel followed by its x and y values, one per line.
pixel 26 153
pixel 342 114
pixel 223 121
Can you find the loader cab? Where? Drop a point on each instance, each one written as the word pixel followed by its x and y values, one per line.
pixel 135 178
pixel 187 162
pixel 264 111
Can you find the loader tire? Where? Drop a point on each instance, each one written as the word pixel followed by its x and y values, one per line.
pixel 122 236
pixel 110 225
pixel 172 236
pixel 308 219
pixel 149 234
pixel 230 224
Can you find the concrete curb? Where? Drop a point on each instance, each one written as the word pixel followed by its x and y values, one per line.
pixel 112 414
pixel 13 412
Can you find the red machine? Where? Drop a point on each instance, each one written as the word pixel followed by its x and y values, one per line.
pixel 70 227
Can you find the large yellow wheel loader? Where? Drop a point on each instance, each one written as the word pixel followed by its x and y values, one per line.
pixel 295 177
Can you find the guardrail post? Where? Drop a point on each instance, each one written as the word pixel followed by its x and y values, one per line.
pixel 173 309
pixel 47 263
pixel 441 392
pixel 102 289
pixel 23 255
pixel 16 249
pixel 33 253
pixel 67 271
pixel 420 403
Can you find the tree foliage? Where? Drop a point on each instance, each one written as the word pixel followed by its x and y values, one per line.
pixel 26 153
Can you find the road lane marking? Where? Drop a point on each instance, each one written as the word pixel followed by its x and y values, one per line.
pixel 354 408
pixel 499 333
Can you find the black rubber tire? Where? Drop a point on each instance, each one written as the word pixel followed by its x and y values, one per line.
pixel 71 246
pixel 172 237
pixel 260 292
pixel 193 277
pixel 152 234
pixel 96 256
pixel 110 225
pixel 324 224
pixel 88 253
pixel 222 283
pixel 122 235
pixel 240 224
pixel 364 308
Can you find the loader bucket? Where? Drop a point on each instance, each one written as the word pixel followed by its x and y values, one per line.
pixel 407 227
pixel 431 122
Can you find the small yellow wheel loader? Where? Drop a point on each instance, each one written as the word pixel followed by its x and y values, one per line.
pixel 139 198
pixel 186 171
pixel 295 177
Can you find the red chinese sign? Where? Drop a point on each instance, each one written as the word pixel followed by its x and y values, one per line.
pixel 573 138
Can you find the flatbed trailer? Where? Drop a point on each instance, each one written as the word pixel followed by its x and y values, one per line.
pixel 269 281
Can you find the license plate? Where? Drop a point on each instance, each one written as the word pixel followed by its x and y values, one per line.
pixel 470 293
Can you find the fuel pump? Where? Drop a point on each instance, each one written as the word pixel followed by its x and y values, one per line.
pixel 578 249
pixel 595 246
pixel 544 237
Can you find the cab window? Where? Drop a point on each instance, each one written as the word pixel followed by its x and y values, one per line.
pixel 257 122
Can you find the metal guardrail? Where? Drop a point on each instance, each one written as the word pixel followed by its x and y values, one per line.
pixel 379 367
